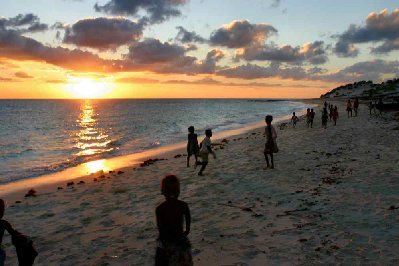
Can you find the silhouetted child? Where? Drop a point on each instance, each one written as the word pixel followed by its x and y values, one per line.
pixel 23 245
pixel 192 145
pixel 349 107
pixel 271 144
pixel 324 118
pixel 294 119
pixel 335 115
pixel 312 115
pixel 205 150
pixel 308 117
pixel 356 105
pixel 4 225
pixel 173 248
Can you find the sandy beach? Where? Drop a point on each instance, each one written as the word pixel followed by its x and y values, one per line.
pixel 332 199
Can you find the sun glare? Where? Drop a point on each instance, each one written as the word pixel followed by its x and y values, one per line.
pixel 88 88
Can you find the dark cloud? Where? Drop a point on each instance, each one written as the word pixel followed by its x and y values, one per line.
pixel 22 75
pixel 152 51
pixel 251 71
pixel 313 53
pixel 103 33
pixel 379 27
pixel 275 3
pixel 24 23
pixel 241 33
pixel 17 47
pixel 185 36
pixel 386 47
pixel 211 81
pixel 209 64
pixel 158 10
pixel 368 70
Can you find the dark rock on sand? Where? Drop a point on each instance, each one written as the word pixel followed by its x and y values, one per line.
pixel 31 193
pixel 120 172
pixel 70 184
pixel 59 188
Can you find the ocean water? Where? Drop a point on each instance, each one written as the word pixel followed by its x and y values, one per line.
pixel 39 137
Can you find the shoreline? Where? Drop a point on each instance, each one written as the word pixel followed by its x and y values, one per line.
pixel 93 169
pixel 331 199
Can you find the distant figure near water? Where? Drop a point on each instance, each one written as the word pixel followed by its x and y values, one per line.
pixel 173 246
pixel 312 115
pixel 308 117
pixel 271 144
pixel 294 119
pixel 192 145
pixel 324 118
pixel 205 150
pixel 335 115
pixel 356 105
pixel 349 107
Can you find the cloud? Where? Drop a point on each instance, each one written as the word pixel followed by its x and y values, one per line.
pixel 56 81
pixel 313 53
pixel 24 23
pixel 251 71
pixel 379 27
pixel 158 10
pixel 137 80
pixel 241 33
pixel 153 51
pixel 211 81
pixel 275 3
pixel 367 70
pixel 103 33
pixel 22 75
pixel 185 36
pixel 6 79
pixel 17 47
pixel 209 64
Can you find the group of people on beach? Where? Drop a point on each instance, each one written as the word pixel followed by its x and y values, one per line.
pixel 199 151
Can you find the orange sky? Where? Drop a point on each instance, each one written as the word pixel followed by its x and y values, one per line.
pixel 36 80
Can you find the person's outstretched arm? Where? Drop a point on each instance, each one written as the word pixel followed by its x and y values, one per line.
pixel 187 217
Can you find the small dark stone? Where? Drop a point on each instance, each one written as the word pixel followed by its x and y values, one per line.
pixel 70 184
pixel 120 172
pixel 95 179
pixel 81 182
pixel 177 155
pixel 302 240
pixel 59 188
pixel 18 201
pixel 31 193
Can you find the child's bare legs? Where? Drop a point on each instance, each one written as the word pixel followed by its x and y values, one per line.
pixel 188 160
pixel 203 166
pixel 271 159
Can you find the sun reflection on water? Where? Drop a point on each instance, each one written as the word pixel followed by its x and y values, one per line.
pixel 91 139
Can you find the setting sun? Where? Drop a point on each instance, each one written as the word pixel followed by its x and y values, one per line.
pixel 88 88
